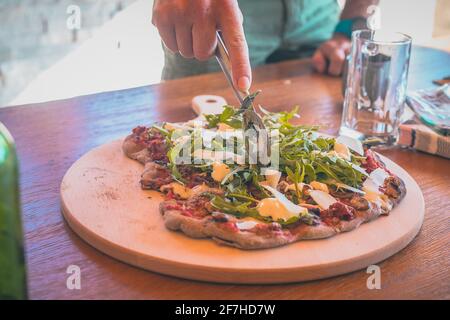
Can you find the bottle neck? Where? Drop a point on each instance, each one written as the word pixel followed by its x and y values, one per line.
pixel 6 144
pixel 12 261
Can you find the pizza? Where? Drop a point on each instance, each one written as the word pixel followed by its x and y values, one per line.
pixel 322 185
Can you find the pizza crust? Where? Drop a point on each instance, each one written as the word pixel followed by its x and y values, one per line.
pixel 135 151
pixel 208 227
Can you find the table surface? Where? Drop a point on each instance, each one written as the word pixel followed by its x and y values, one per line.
pixel 51 136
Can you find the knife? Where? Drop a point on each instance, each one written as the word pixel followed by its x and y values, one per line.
pixel 223 58
pixel 250 117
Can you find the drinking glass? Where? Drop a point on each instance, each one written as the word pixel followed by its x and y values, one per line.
pixel 376 86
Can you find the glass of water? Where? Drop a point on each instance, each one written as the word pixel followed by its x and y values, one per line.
pixel 376 86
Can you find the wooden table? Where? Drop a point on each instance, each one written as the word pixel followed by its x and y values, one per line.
pixel 51 136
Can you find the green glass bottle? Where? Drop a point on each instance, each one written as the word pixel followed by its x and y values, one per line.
pixel 12 261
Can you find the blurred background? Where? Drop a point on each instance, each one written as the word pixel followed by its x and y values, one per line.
pixel 57 49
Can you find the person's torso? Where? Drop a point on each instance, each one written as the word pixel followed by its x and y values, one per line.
pixel 287 25
pixel 293 21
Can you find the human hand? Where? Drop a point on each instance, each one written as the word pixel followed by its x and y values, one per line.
pixel 189 27
pixel 330 56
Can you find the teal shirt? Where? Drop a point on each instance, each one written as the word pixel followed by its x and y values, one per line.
pixel 275 30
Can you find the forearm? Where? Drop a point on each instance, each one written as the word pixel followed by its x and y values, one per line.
pixel 357 8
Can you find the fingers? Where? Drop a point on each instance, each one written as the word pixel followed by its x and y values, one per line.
pixel 333 53
pixel 319 61
pixel 191 30
pixel 187 28
pixel 163 22
pixel 336 58
pixel 168 37
pixel 204 40
pixel 184 40
pixel 233 34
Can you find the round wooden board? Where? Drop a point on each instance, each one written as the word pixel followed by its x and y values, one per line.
pixel 103 203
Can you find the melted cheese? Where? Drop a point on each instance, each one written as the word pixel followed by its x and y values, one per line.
pixel 342 150
pixel 379 199
pixel 169 126
pixel 224 127
pixel 180 190
pixel 378 176
pixel 272 177
pixel 373 194
pixel 292 187
pixel 352 143
pixel 323 199
pixel 199 189
pixel 175 126
pixel 316 185
pixel 246 225
pixel 220 170
pixel 272 207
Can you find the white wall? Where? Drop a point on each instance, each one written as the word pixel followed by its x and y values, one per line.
pixel 413 17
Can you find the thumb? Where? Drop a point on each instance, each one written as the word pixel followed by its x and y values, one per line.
pixel 319 61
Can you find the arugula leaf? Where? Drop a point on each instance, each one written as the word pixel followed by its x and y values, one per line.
pixel 279 120
pixel 305 156
pixel 237 208
pixel 172 155
pixel 286 116
pixel 231 174
pixel 310 172
pixel 296 177
pixel 290 174
pixel 162 130
pixel 288 221
pixel 227 113
pixel 212 119
pixel 228 116
pixel 242 197
pixel 243 209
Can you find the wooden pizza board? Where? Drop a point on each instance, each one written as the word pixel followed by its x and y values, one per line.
pixel 103 203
